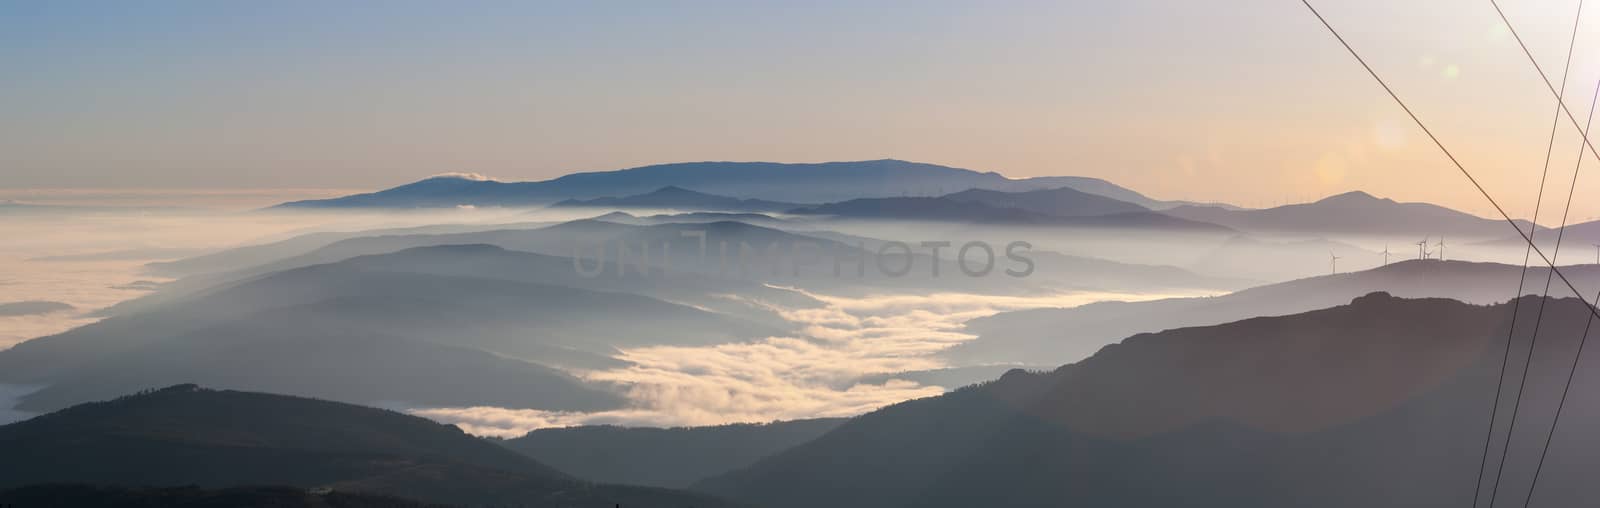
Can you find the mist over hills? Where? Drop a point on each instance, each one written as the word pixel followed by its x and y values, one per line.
pixel 186 435
pixel 1381 402
pixel 1065 214
pixel 1268 259
pixel 795 183
pixel 1577 240
pixel 1315 388
pixel 1061 202
pixel 1068 334
pixel 705 259
pixel 249 256
pixel 324 321
pixel 318 356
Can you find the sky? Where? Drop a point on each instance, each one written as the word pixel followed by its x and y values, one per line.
pixel 1250 102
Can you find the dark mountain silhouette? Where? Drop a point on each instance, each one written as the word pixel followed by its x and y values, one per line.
pixel 798 183
pixel 325 314
pixel 32 308
pixel 1379 403
pixel 186 435
pixel 679 198
pixel 1061 202
pixel 1353 213
pixel 1069 334
pixel 672 457
pixel 92 496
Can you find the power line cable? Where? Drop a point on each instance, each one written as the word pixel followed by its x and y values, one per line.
pixel 1452 157
pixel 1543 304
pixel 1516 306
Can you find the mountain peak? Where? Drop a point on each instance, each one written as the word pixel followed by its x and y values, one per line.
pixel 1358 198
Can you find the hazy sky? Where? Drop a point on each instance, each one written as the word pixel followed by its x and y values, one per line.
pixel 1248 101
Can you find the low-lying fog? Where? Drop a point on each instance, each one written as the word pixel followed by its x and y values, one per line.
pixel 90 258
pixel 815 374
pixel 61 265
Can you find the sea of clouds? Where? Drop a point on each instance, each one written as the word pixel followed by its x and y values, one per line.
pixel 813 374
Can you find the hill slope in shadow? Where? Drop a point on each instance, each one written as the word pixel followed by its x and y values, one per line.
pixel 186 435
pixel 1379 403
pixel 671 457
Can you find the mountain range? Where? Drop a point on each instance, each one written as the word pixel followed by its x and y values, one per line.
pixel 892 189
pixel 1354 213
pixel 794 183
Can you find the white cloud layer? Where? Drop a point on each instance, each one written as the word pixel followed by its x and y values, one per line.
pixel 782 378
pixel 476 177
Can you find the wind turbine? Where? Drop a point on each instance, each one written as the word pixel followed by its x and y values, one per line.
pixel 1441 247
pixel 1422 246
pixel 1386 254
pixel 1333 262
pixel 1597 253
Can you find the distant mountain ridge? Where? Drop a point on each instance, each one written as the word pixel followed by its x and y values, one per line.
pixel 981 211
pixel 1354 213
pixel 771 181
pixel 679 198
